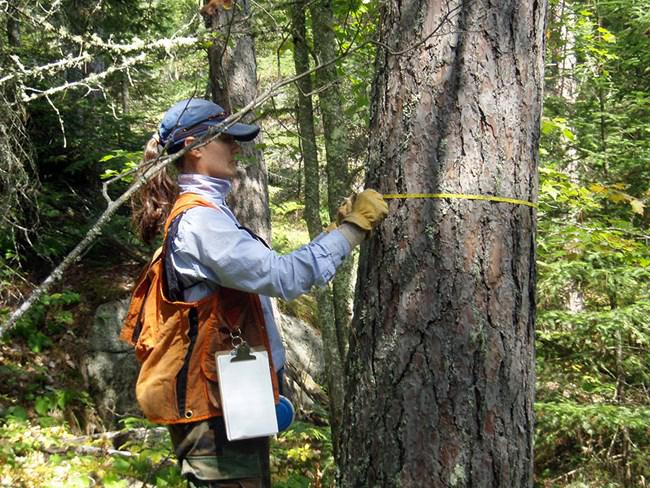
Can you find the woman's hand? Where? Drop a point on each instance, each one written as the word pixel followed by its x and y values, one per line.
pixel 366 209
pixel 345 209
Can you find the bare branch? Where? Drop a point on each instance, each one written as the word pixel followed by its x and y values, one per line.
pixel 49 68
pixel 41 23
pixel 86 82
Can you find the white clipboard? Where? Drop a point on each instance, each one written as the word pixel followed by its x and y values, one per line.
pixel 246 391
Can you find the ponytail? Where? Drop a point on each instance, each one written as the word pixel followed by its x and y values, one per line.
pixel 152 203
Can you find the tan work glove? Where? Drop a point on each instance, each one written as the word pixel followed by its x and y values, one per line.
pixel 342 212
pixel 368 210
pixel 344 209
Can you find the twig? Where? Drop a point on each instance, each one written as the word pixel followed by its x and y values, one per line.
pixel 567 474
pixel 58 114
pixel 142 433
pixel 86 450
pixel 163 462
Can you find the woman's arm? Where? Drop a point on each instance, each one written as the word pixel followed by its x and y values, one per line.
pixel 211 244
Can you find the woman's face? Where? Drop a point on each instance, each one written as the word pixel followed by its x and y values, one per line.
pixel 217 158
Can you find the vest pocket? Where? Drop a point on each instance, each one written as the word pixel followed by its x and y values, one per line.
pixel 217 340
pixel 181 377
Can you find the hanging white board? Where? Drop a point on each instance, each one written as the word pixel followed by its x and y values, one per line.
pixel 247 398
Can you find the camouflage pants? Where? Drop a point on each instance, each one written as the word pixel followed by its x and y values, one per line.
pixel 209 460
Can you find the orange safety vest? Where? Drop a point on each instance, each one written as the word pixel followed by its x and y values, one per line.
pixel 175 341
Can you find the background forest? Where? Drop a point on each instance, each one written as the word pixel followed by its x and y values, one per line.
pixel 83 86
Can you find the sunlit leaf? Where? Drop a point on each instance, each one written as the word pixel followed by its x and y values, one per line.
pixel 637 206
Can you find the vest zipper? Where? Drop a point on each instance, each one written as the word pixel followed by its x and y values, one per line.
pixel 181 377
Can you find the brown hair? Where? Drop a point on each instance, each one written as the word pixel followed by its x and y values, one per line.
pixel 152 203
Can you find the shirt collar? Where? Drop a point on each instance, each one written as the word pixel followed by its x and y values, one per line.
pixel 216 189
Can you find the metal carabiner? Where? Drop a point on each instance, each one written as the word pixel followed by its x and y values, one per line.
pixel 236 339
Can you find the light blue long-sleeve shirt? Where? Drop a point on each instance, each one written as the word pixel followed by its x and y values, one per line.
pixel 210 248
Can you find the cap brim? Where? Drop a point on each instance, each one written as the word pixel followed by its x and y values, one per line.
pixel 243 132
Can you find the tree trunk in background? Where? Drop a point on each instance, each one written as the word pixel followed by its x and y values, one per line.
pixel 564 85
pixel 124 94
pixel 440 378
pixel 568 83
pixel 336 150
pixel 13 31
pixel 305 118
pixel 568 89
pixel 233 84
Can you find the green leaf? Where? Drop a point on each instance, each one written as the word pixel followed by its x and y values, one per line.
pixel 547 126
pixel 17 413
pixel 566 132
pixel 42 405
pixel 607 36
pixel 597 188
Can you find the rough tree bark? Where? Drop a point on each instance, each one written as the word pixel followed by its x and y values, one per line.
pixel 440 377
pixel 233 84
pixel 307 134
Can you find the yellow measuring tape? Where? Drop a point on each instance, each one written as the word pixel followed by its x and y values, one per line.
pixel 487 198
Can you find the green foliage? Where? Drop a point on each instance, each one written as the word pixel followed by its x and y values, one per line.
pixel 45 456
pixel 289 230
pixel 72 132
pixel 120 163
pixel 46 318
pixel 301 456
pixel 593 338
pixel 57 402
pixel 592 360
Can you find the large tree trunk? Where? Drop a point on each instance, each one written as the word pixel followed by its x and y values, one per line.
pixel 307 134
pixel 233 84
pixel 440 378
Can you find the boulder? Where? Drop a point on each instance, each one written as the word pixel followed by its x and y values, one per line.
pixel 110 367
pixel 304 363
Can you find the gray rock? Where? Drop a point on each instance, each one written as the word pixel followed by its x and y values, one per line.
pixel 305 363
pixel 303 344
pixel 105 329
pixel 110 368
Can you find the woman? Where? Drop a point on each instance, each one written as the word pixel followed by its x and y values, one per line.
pixel 208 253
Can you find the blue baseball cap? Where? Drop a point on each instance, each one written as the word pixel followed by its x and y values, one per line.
pixel 193 117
